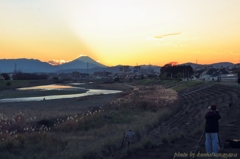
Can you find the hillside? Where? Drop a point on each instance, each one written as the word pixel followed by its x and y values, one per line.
pixel 26 65
pixel 180 134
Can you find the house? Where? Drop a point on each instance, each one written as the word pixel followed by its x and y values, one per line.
pixel 147 71
pixel 198 73
pixel 124 68
pixel 229 77
pixel 136 68
pixel 102 74
pixel 216 74
pixel 64 76
pixel 76 74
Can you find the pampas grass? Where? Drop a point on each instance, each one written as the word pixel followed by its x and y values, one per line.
pixel 96 132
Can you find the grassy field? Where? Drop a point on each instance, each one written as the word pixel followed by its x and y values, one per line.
pixel 96 131
pixel 187 84
pixel 23 83
pixel 31 93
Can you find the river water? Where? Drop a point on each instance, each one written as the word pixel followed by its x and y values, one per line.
pixel 72 86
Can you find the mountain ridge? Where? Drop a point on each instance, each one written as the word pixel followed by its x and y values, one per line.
pixel 82 63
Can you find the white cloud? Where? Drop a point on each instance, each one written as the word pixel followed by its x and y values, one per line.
pixel 56 62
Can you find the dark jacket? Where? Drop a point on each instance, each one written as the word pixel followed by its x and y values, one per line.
pixel 212 118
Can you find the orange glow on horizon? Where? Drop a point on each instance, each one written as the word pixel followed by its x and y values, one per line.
pixel 121 32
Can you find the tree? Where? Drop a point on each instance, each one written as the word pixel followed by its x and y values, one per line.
pixel 179 75
pixel 163 75
pixel 29 76
pixel 6 76
pixel 173 71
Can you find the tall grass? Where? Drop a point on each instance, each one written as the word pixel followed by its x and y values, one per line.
pixel 96 133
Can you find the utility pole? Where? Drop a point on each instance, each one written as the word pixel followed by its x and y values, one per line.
pixel 15 69
pixel 87 73
pixel 183 73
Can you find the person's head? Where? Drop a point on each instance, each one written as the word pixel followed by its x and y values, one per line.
pixel 212 107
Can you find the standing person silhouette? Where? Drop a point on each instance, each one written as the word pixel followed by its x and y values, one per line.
pixel 129 136
pixel 212 129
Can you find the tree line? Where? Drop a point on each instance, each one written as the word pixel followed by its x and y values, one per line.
pixel 176 71
pixel 25 76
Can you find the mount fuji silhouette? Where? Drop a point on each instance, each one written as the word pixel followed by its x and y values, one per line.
pixel 82 62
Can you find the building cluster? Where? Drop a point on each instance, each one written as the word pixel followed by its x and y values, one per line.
pixel 124 72
pixel 215 74
pixel 138 72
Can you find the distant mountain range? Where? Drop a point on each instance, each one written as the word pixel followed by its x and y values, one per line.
pixel 33 65
pixel 25 65
pixel 83 64
pixel 214 65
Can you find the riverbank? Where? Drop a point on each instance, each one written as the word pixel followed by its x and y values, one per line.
pixel 83 126
pixel 14 84
pixel 93 126
pixel 69 88
pixel 55 108
pixel 58 107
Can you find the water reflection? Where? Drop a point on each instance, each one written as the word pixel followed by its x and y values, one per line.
pixel 57 87
pixel 52 87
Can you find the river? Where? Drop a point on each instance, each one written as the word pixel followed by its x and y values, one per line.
pixel 72 86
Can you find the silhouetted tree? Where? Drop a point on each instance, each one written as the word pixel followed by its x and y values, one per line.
pixel 176 71
pixel 163 75
pixel 29 76
pixel 6 76
pixel 55 78
pixel 179 75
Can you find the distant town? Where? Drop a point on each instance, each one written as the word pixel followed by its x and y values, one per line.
pixel 126 72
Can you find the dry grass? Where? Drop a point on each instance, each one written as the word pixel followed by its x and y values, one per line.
pixel 96 132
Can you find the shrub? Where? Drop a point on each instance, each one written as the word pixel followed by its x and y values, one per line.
pixel 148 98
pixel 147 144
pixel 90 154
pixel 8 83
pixel 165 139
pixel 26 144
pixel 9 127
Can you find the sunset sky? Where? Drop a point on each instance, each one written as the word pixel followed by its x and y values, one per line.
pixel 126 32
